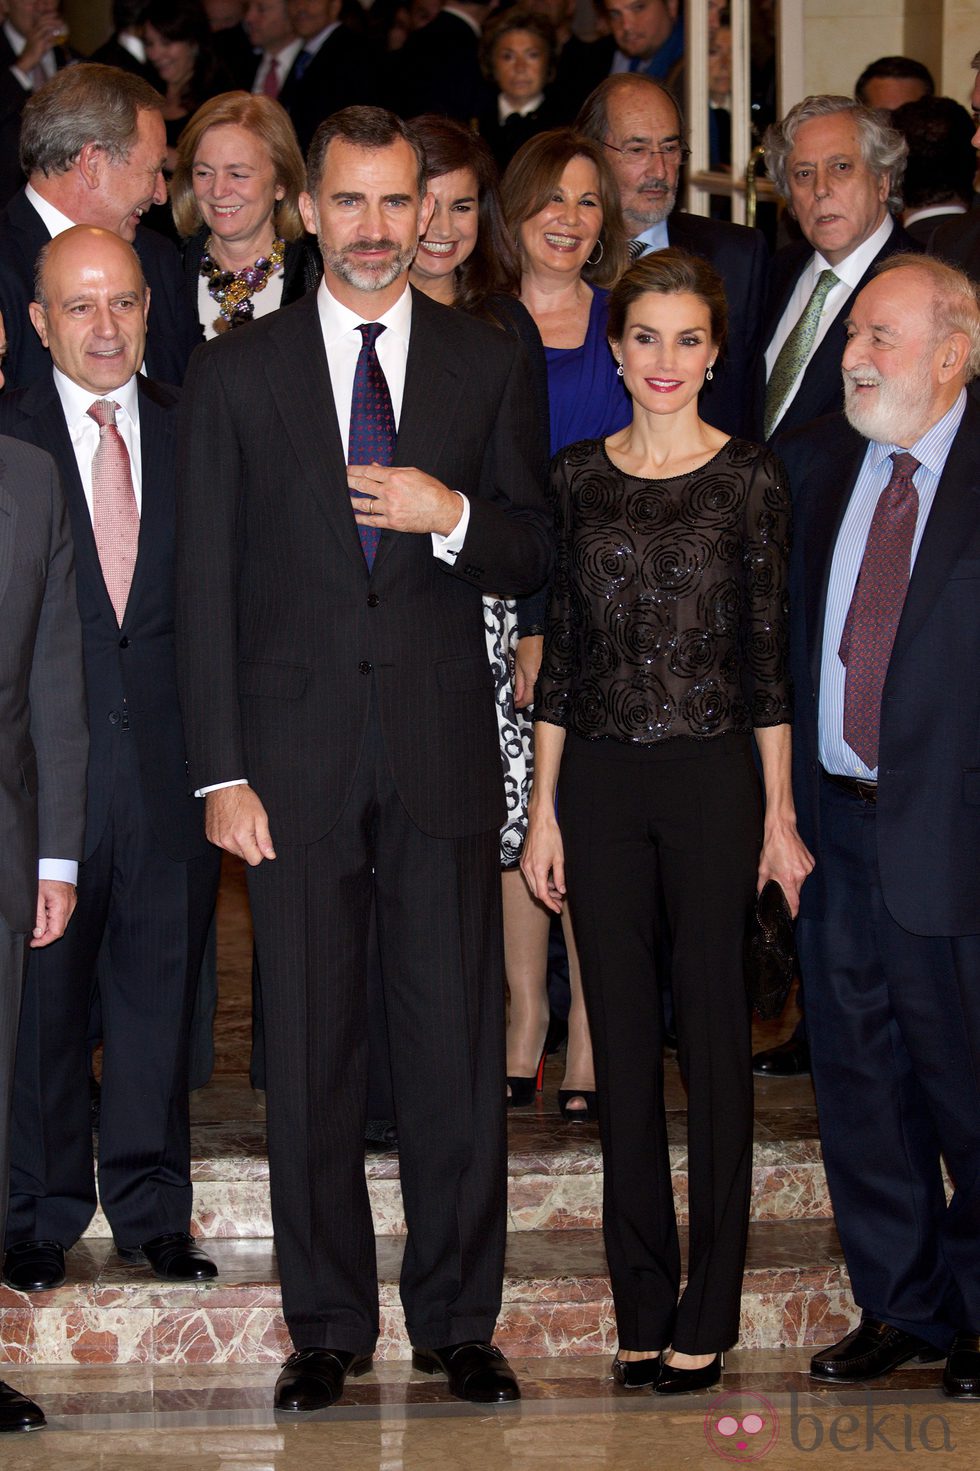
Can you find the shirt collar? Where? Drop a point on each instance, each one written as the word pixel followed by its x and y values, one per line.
pixel 54 221
pixel 76 400
pixel 336 320
pixel 656 236
pixel 462 15
pixel 315 42
pixel 931 448
pixel 285 56
pixel 852 267
pixel 507 109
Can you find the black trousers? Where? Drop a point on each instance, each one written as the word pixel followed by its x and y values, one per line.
pixel 439 927
pixel 12 957
pixel 894 1022
pixel 153 914
pixel 685 815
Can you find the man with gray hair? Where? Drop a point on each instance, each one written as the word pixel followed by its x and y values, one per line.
pixel 840 169
pixel 92 146
pixel 885 646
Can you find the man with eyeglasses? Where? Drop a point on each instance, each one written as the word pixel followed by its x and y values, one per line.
pixel 639 125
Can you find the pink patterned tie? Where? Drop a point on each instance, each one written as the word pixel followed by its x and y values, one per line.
pixel 270 86
pixel 115 519
pixel 876 607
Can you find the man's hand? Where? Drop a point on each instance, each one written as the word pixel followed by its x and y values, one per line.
pixel 47 31
pixel 399 498
pixel 55 904
pixel 234 819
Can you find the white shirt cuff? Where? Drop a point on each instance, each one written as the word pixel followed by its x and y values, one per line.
pixel 448 548
pixel 63 870
pixel 219 786
pixel 23 78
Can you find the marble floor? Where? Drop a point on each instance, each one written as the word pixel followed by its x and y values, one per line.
pixel 217 1416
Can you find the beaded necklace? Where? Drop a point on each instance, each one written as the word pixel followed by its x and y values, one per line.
pixel 233 290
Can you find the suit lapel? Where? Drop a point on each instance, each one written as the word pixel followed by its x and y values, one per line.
pixel 432 388
pixel 955 507
pixel 828 495
pixel 157 450
pixel 304 398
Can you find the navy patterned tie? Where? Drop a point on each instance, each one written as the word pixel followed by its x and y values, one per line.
pixel 372 421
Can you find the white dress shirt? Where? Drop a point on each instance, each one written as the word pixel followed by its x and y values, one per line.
pixel 283 59
pixel 84 434
pixel 53 220
pixel 507 109
pixel 342 343
pixel 848 272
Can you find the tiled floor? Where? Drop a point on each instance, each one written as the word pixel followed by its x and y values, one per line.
pixel 206 1413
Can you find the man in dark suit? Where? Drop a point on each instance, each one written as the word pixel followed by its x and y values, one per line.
pixel 125 47
pixel 275 44
pixel 840 168
pixel 647 40
pixel 355 471
pixel 438 68
pixel 147 882
pixel 334 68
pixel 638 123
pixel 43 746
pixel 887 800
pixel 92 164
pixel 958 241
pixel 32 49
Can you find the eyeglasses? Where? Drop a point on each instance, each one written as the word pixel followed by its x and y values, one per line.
pixel 673 152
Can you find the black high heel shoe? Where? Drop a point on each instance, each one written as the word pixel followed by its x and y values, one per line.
pixel 523 1090
pixel 684 1381
pixel 637 1373
pixel 584 1115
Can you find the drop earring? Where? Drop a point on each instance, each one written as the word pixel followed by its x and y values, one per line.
pixel 619 371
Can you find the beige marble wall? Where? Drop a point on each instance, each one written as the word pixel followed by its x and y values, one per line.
pixel 842 36
pixel 960 43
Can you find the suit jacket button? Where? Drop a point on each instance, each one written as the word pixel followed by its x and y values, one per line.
pixel 124 642
pixel 114 717
pixel 373 600
pixel 365 667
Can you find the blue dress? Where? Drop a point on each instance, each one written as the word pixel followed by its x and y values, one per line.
pixel 586 396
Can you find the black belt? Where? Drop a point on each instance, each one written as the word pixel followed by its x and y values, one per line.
pixel 866 790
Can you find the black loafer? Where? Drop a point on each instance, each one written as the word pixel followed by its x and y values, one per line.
pixel 872 1349
pixel 174 1257
pixel 684 1381
pixel 637 1373
pixel 961 1376
pixel 477 1372
pixel 34 1266
pixel 789 1060
pixel 313 1378
pixel 17 1412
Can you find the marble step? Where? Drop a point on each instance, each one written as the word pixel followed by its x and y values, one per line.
pixel 556 1302
pixel 555 1176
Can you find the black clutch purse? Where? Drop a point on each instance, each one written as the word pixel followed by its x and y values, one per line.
pixel 770 952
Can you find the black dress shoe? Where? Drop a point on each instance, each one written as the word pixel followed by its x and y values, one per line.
pixel 34 1266
pixel 684 1381
pixel 872 1349
pixel 637 1373
pixel 17 1412
pixel 961 1376
pixel 476 1371
pixel 174 1258
pixel 789 1060
pixel 313 1378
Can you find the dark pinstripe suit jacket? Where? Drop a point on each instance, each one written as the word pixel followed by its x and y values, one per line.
pixel 283 634
pixel 43 739
pixel 131 668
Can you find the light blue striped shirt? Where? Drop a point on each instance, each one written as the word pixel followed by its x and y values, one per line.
pixel 931 451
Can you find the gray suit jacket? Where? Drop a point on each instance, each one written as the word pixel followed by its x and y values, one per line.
pixel 43 733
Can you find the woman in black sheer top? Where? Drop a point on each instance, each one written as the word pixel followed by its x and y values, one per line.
pixel 665 651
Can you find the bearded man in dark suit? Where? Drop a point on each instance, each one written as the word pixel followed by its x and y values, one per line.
pixel 355 472
pixel 639 124
pixel 885 599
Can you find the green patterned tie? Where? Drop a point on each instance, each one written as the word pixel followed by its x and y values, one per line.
pixel 795 350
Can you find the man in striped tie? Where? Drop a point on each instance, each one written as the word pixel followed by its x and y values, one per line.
pixel 148 877
pixel 885 597
pixel 270 31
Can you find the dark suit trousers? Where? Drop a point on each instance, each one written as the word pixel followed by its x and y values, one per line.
pixel 11 985
pixel 153 914
pixel 684 815
pixel 894 1023
pixel 439 926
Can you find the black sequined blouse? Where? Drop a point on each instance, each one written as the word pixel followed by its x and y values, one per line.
pixel 668 613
